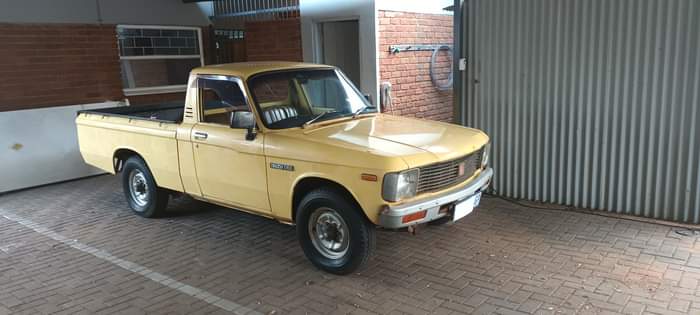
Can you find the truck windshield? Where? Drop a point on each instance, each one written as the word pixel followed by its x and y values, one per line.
pixel 292 98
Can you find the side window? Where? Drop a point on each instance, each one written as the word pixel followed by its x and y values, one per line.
pixel 222 101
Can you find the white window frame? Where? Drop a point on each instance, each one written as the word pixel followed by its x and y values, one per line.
pixel 163 88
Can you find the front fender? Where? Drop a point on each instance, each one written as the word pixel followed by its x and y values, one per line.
pixel 282 184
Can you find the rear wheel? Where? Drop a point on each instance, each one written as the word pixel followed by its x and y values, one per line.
pixel 333 232
pixel 145 198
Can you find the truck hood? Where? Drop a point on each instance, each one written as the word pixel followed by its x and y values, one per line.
pixel 418 142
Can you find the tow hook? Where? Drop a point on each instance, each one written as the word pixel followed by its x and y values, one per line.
pixel 412 229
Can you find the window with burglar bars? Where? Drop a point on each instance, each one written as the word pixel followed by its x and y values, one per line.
pixel 157 59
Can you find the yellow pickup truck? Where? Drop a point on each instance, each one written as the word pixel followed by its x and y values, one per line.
pixel 297 143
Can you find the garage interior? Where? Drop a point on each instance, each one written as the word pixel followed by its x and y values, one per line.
pixel 591 106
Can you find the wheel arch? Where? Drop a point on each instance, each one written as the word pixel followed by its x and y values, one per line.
pixel 307 184
pixel 121 155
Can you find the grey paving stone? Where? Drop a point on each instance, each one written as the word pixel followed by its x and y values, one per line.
pixel 503 259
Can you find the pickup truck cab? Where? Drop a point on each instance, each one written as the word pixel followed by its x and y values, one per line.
pixel 297 143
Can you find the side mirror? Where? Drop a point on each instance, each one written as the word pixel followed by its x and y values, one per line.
pixel 244 120
pixel 368 97
pixel 251 134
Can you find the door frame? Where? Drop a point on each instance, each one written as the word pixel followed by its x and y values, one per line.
pixel 200 122
pixel 317 36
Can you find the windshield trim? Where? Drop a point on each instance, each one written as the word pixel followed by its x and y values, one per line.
pixel 338 72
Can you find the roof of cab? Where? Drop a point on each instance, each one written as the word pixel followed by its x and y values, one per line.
pixel 244 70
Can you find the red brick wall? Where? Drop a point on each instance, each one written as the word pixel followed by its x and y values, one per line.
pixel 44 65
pixel 413 92
pixel 274 40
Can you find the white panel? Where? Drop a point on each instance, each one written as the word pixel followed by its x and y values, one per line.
pixel 40 146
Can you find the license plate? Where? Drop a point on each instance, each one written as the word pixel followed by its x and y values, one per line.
pixel 465 207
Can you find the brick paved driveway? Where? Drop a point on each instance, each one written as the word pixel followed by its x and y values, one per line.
pixel 501 259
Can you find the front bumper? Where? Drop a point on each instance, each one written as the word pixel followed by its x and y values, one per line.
pixel 391 216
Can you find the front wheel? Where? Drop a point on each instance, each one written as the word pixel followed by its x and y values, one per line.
pixel 333 232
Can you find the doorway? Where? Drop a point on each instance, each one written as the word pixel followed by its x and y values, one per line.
pixel 340 46
pixel 230 46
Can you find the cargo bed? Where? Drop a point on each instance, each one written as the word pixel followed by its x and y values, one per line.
pixel 149 130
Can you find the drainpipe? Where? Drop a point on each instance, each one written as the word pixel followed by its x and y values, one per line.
pixel 99 11
pixel 460 45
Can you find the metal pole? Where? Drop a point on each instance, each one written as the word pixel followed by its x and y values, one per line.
pixel 458 91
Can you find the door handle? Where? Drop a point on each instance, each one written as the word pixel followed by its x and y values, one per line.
pixel 200 135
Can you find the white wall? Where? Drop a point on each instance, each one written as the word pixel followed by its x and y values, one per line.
pixel 40 146
pixel 315 11
pixel 164 12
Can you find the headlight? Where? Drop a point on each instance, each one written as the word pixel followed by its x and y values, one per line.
pixel 485 155
pixel 400 185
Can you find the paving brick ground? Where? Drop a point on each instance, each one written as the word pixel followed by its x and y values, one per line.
pixel 502 259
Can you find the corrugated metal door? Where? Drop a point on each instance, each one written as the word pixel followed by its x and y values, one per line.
pixel 590 103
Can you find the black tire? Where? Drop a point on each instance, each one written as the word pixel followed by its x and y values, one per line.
pixel 148 200
pixel 333 204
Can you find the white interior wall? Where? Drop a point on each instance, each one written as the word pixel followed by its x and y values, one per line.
pixel 40 146
pixel 317 11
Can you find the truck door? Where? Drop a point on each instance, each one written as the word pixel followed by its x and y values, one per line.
pixel 230 169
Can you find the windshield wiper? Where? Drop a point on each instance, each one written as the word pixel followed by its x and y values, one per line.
pixel 360 110
pixel 321 115
pixel 312 120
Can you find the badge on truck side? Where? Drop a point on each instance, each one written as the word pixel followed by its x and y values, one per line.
pixel 281 166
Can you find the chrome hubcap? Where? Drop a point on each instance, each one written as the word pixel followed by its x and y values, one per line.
pixel 139 189
pixel 329 233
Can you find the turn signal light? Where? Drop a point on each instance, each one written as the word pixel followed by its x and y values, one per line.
pixel 414 216
pixel 369 177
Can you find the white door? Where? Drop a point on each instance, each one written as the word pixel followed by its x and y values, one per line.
pixel 340 46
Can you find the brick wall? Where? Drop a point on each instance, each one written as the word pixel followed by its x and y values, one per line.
pixel 44 65
pixel 274 40
pixel 412 90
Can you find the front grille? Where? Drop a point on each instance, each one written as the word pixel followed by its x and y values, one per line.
pixel 445 174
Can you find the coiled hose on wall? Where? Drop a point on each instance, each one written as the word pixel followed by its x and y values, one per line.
pixel 433 60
